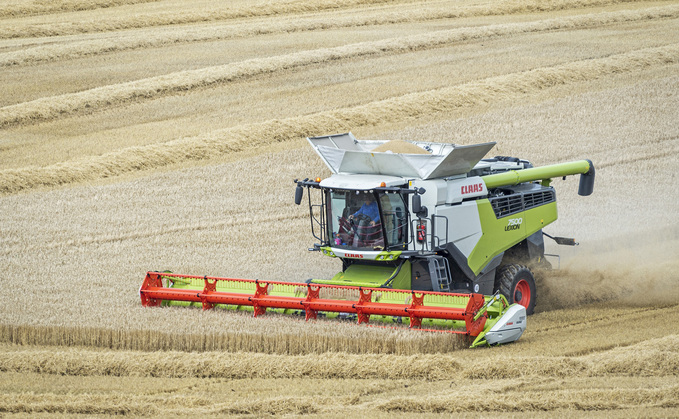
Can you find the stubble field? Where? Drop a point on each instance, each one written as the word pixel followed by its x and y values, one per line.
pixel 143 135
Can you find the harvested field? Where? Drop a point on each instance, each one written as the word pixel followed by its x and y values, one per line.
pixel 142 135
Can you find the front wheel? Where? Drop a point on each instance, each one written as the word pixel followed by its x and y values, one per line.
pixel 517 284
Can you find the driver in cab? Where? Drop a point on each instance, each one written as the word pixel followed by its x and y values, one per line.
pixel 369 209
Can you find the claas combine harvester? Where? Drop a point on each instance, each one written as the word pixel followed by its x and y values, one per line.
pixel 428 234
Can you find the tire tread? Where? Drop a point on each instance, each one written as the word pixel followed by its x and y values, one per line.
pixel 505 282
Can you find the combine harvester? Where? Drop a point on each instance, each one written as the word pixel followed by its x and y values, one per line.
pixel 431 234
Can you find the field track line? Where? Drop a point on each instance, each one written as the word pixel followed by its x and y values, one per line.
pixel 156 38
pixel 234 220
pixel 664 146
pixel 54 107
pixel 607 317
pixel 670 149
pixel 235 139
pixel 663 141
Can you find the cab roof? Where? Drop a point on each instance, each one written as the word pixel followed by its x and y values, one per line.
pixel 361 182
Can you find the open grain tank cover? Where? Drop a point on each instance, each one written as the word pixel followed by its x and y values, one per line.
pixel 343 153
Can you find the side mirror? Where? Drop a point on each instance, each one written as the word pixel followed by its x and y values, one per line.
pixel 418 209
pixel 417 203
pixel 299 192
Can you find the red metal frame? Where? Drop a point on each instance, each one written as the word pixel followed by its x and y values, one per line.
pixel 152 293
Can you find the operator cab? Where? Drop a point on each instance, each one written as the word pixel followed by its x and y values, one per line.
pixel 366 220
pixel 365 212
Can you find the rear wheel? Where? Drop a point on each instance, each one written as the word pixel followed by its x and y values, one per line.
pixel 517 284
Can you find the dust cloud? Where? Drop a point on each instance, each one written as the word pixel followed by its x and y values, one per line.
pixel 640 269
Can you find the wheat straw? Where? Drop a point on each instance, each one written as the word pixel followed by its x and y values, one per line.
pixel 655 357
pixel 39 8
pixel 237 365
pixel 88 24
pixel 96 21
pixel 154 38
pixel 289 338
pixel 71 404
pixel 390 110
pixel 550 401
pixel 58 106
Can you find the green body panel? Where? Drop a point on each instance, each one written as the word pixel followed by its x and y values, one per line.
pixel 514 177
pixel 382 256
pixel 374 276
pixel 503 233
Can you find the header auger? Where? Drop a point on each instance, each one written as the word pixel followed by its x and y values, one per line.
pixel 429 234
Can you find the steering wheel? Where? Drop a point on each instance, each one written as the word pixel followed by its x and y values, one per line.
pixel 360 218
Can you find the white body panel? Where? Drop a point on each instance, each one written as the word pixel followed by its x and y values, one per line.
pixel 510 327
pixel 465 188
pixel 436 191
pixel 464 225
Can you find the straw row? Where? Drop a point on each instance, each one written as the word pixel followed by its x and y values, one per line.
pixel 154 38
pixel 135 18
pixel 625 402
pixel 652 358
pixel 235 139
pixel 567 400
pixel 101 97
pixel 62 6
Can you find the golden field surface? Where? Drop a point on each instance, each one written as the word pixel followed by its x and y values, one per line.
pixel 142 135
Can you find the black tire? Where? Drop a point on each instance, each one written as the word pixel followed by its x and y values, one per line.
pixel 514 281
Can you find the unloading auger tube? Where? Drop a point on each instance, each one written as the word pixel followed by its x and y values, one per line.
pixel 488 320
pixel 584 168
